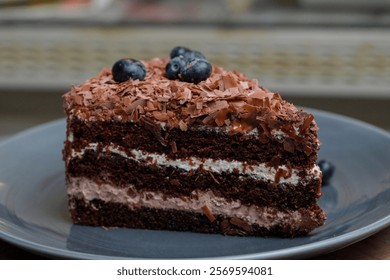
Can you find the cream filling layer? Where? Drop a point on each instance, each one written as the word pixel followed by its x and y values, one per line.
pixel 259 171
pixel 83 188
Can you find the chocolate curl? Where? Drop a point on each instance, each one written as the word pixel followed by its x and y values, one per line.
pixel 241 224
pixel 280 173
pixel 160 116
pixel 229 81
pixel 306 123
pixel 173 147
pixel 206 210
pixel 183 125
pixel 132 105
pixel 213 177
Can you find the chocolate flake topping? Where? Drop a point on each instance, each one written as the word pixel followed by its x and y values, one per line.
pixel 226 99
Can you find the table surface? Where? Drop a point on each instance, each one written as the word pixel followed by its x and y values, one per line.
pixel 376 247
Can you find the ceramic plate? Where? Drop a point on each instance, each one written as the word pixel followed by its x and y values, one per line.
pixel 33 208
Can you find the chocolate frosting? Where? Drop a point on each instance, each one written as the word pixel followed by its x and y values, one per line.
pixel 227 99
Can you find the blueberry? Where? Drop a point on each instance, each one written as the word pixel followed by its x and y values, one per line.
pixel 174 67
pixel 188 56
pixel 177 51
pixel 127 68
pixel 196 70
pixel 327 169
pixel 187 53
pixel 187 65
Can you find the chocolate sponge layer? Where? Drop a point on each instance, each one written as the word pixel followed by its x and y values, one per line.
pixel 205 143
pixel 100 213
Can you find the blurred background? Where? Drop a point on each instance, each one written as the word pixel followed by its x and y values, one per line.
pixel 328 54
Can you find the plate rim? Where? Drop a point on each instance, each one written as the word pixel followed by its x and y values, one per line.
pixel 289 253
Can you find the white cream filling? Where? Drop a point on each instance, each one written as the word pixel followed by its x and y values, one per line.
pixel 70 137
pixel 277 134
pixel 259 171
pixel 83 188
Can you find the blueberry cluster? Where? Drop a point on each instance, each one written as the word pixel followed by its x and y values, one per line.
pixel 187 65
pixel 327 169
pixel 128 68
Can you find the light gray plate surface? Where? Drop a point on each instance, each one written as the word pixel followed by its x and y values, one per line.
pixel 33 209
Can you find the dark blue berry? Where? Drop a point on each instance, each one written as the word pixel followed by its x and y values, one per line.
pixel 196 70
pixel 177 51
pixel 188 56
pixel 327 169
pixel 187 53
pixel 174 67
pixel 127 68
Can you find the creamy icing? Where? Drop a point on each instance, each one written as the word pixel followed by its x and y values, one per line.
pixel 83 188
pixel 259 171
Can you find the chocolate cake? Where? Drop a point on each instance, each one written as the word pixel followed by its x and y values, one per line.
pixel 218 155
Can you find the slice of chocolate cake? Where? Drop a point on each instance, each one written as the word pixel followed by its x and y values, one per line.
pixel 207 150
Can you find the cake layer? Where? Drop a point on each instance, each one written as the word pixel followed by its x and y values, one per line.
pixel 198 141
pixel 258 185
pixel 93 204
pixel 260 171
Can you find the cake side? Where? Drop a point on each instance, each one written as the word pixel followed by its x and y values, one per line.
pixel 227 154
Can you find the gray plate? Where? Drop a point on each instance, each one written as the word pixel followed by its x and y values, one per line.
pixel 33 211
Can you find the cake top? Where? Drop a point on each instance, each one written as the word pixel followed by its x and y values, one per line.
pixel 226 99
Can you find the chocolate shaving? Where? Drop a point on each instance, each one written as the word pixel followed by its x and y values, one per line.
pixel 183 125
pixel 213 177
pixel 218 105
pixel 131 193
pixel 225 225
pixel 280 173
pixel 222 116
pixel 229 81
pixel 306 123
pixel 241 224
pixel 288 145
pixel 206 210
pixel 173 147
pixel 160 116
pixel 235 226
pixel 78 100
pixel 289 170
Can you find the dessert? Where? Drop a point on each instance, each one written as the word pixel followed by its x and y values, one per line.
pixel 215 154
